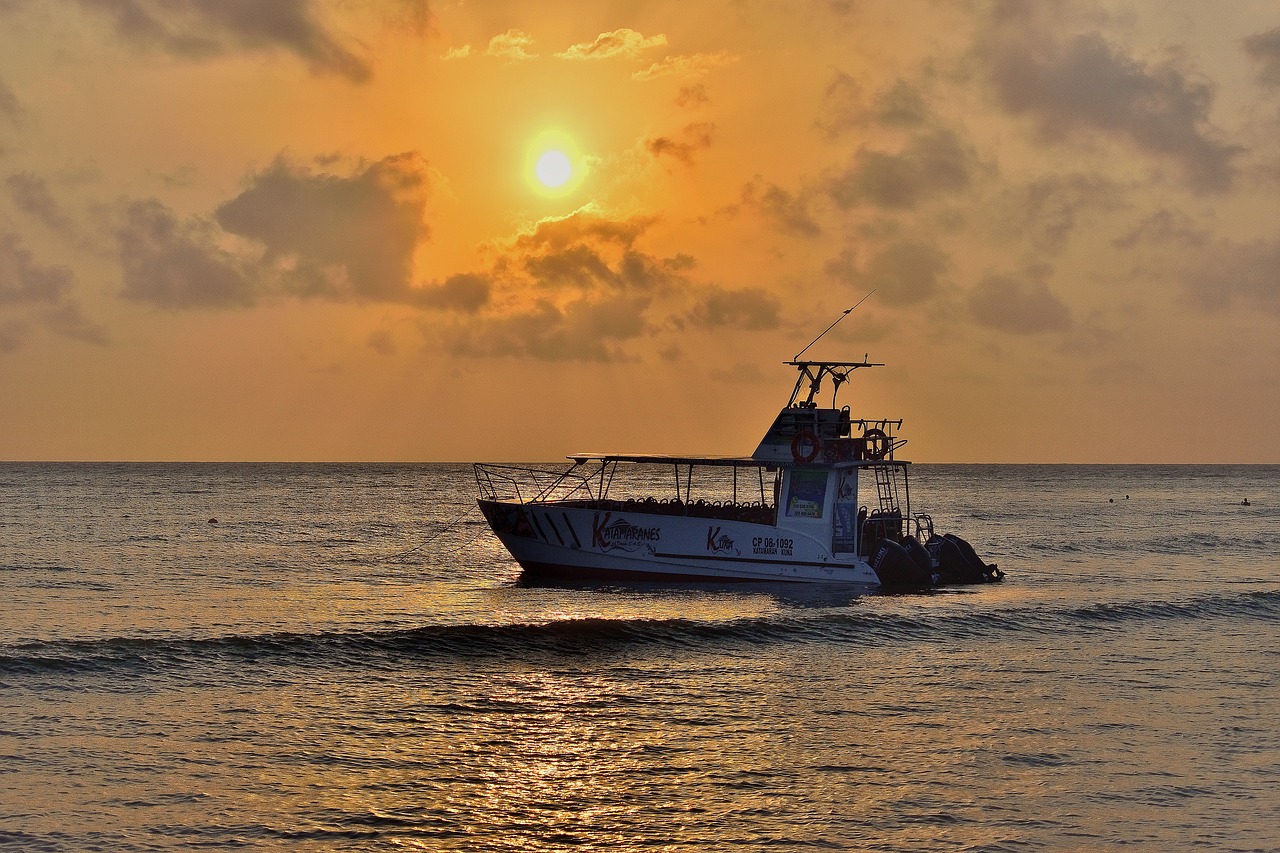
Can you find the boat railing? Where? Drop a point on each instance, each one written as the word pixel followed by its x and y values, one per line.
pixel 525 485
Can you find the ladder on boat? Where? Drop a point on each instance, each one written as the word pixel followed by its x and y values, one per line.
pixel 886 489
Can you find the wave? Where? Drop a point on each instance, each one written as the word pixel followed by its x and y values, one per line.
pixel 392 648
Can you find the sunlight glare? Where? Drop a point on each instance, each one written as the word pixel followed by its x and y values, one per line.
pixel 554 169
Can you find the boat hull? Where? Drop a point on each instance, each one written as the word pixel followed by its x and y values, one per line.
pixel 595 543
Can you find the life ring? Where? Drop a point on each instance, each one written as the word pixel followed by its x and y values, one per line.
pixel 877 443
pixel 805 446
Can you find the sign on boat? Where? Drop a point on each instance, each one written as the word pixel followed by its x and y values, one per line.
pixel 824 498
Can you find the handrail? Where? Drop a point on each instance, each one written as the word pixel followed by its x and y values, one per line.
pixel 525 485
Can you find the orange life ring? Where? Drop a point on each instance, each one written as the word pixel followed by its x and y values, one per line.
pixel 805 446
pixel 881 443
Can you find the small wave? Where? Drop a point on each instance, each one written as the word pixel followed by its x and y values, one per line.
pixel 597 636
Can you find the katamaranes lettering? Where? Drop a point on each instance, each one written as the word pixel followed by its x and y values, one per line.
pixel 620 534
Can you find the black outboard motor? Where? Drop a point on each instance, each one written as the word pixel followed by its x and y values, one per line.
pixel 959 563
pixel 918 553
pixel 897 569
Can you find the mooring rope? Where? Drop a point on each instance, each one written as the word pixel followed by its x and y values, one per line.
pixel 433 537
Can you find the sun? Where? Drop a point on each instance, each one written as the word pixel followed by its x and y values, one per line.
pixel 554 166
pixel 554 169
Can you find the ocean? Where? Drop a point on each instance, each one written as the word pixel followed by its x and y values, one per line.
pixel 348 660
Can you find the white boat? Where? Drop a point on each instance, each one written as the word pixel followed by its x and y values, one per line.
pixel 822 499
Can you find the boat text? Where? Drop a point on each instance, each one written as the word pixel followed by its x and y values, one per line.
pixel 621 534
pixel 769 545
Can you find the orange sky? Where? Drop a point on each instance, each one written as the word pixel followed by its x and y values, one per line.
pixel 308 230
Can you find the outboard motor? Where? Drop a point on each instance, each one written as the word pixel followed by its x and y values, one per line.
pixel 896 568
pixel 959 563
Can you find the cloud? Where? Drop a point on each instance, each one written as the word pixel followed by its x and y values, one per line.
pixel 457 53
pixel 906 272
pixel 788 211
pixel 9 106
pixel 693 138
pixel 590 253
pixel 623 42
pixel 572 288
pixel 336 236
pixel 932 163
pixel 465 292
pixel 176 264
pixel 1264 48
pixel 583 330
pixel 692 97
pixel 199 29
pixel 22 280
pixel 1223 274
pixel 1047 209
pixel 1162 228
pixel 511 45
pixel 691 66
pixel 12 335
pixel 69 321
pixel 1086 83
pixel 584 224
pixel 30 193
pixel 846 107
pixel 844 266
pixel 745 308
pixel 44 293
pixel 1016 306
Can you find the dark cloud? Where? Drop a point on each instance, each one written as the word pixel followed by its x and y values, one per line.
pixel 1017 306
pixel 583 330
pixel 847 107
pixel 844 266
pixel 905 273
pixel 745 308
pixel 1225 274
pixel 198 29
pixel 465 292
pixel 1264 48
pixel 790 212
pixel 1085 83
pixel 31 195
pixel 932 163
pixel 574 288
pixel 13 333
pixel 69 320
pixel 23 281
pixel 693 96
pixel 176 264
pixel 1163 228
pixel 591 253
pixel 42 292
pixel 1048 209
pixel 334 236
pixel 693 138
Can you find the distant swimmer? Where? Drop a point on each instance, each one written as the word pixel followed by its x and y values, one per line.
pixel 1245 502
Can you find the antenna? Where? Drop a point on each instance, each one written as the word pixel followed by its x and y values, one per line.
pixel 833 325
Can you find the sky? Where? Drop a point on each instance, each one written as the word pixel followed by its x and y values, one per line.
pixel 314 229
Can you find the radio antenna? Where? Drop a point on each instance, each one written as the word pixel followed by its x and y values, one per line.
pixel 833 325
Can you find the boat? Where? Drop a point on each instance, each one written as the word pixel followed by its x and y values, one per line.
pixel 824 498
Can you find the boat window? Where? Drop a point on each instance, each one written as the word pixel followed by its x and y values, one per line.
pixel 806 493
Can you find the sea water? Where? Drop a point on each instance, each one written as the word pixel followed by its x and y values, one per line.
pixel 341 657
